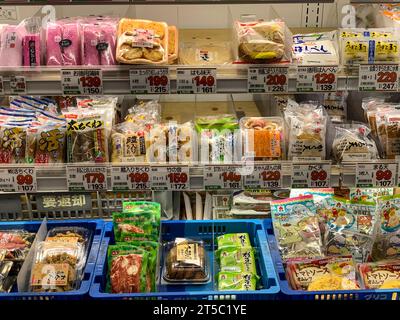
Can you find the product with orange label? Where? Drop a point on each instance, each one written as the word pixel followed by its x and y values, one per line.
pixel 380 275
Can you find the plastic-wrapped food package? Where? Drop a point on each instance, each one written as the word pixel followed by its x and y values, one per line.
pixel 185 262
pixel 46 144
pixel 237 259
pixel 54 34
pixel 173 44
pixel 380 275
pixel 307 129
pixel 368 45
pixel 264 137
pixel 375 110
pixel 387 244
pixel 218 138
pixel 369 195
pixel 142 42
pixel 296 227
pixel 236 281
pixel 333 273
pixel 181 142
pixel 203 52
pixel 79 235
pixel 144 114
pixel 261 41
pixel 335 104
pixel 315 49
pixel 352 143
pixel 13 143
pixel 11 45
pixel 388 125
pixel 15 244
pixel 31 42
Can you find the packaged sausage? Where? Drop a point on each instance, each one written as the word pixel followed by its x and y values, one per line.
pixel 236 281
pixel 264 137
pixel 185 262
pixel 296 227
pixel 142 42
pixel 380 275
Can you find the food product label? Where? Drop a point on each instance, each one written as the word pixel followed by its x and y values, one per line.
pixel 17 85
pixel 375 175
pixel 317 79
pixel 222 177
pixel 264 176
pixel 316 175
pixel 196 80
pixel 171 178
pixel 73 240
pixel 188 253
pixel 375 276
pixel 268 79
pixel 149 81
pixel 82 81
pixel 378 77
pixel 87 178
pixel 143 38
pixel 18 179
pixel 204 55
pixel 50 274
pixel 125 178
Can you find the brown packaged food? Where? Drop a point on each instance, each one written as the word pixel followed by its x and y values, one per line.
pixel 173 44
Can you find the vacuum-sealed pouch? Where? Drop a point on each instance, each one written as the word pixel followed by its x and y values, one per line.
pixel 236 281
pixel 233 240
pixel 13 143
pixel 11 49
pixel 142 42
pixel 237 259
pixel 135 227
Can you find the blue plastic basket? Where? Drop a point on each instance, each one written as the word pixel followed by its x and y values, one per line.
pixel 206 231
pixel 96 226
pixel 288 293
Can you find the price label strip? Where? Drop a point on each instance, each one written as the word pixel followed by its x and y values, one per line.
pixel 222 177
pixel 18 179
pixel 82 81
pixel 265 176
pixel 316 175
pixel 18 85
pixel 378 77
pixel 196 80
pixel 126 178
pixel 149 81
pixel 171 178
pixel 370 175
pixel 317 79
pixel 87 178
pixel 268 79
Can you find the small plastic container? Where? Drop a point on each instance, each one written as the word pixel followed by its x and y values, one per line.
pixel 185 262
pixel 79 235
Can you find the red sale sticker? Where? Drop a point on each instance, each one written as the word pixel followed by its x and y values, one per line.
pixel 316 175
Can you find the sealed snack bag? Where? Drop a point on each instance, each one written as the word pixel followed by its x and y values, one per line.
pixel 31 42
pixel 11 48
pixel 181 142
pixel 369 195
pixel 237 259
pixel 142 42
pixel 296 227
pixel 13 143
pixel 380 275
pixel 335 104
pixel 387 244
pixel 388 125
pixel 240 240
pixel 333 273
pixel 122 260
pixel 236 281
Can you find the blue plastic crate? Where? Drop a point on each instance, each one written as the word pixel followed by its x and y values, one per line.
pixel 206 231
pixel 288 293
pixel 96 226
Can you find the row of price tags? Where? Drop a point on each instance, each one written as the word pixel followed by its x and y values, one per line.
pixel 17 85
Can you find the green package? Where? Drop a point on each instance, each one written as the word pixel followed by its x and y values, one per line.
pixel 237 259
pixel 234 240
pixel 135 226
pixel 152 248
pixel 127 269
pixel 141 206
pixel 236 281
pixel 220 122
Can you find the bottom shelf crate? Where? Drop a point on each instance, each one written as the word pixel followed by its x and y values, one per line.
pixel 206 231
pixel 288 293
pixel 96 226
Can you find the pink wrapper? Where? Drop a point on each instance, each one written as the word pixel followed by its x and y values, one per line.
pixel 90 40
pixel 108 35
pixel 11 46
pixel 70 45
pixel 53 49
pixel 31 50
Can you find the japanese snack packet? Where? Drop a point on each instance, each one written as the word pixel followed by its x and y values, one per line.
pixel 387 244
pixel 380 275
pixel 237 259
pixel 11 50
pixel 236 281
pixel 264 137
pixel 240 240
pixel 332 273
pixel 296 227
pixel 144 114
pixel 122 260
pixel 369 195
pixel 335 104
pixel 15 244
pixel 13 143
pixel 142 42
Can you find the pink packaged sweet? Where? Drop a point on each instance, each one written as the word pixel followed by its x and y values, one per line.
pixel 31 50
pixel 11 45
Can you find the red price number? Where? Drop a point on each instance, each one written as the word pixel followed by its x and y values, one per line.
pixel 230 177
pixel 94 177
pixel 324 78
pixel 177 177
pixel 319 175
pixel 24 179
pixel 270 175
pixel 206 81
pixel 139 177
pixel 275 80
pixel 386 76
pixel 90 81
pixel 383 175
pixel 158 81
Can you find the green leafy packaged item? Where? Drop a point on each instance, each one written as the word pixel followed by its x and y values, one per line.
pixel 234 240
pixel 127 269
pixel 135 226
pixel 238 259
pixel 141 206
pixel 236 281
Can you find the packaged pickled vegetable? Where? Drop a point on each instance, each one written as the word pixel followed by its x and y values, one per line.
pixel 234 240
pixel 237 259
pixel 236 281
